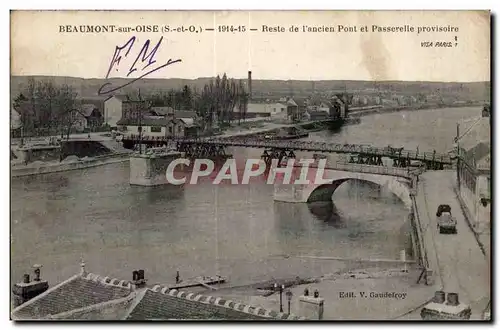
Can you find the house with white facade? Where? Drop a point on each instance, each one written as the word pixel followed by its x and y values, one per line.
pixel 113 109
pixel 261 110
pixel 158 127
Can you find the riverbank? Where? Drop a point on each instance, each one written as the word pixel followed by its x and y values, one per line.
pixel 367 294
pixel 270 127
pixel 377 109
pixel 69 164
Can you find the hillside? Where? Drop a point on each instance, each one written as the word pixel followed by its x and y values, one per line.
pixel 277 88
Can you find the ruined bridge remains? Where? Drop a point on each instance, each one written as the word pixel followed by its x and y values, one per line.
pixel 285 149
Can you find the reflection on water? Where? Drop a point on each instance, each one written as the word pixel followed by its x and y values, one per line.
pixel 327 212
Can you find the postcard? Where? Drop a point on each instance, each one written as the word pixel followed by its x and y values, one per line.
pixel 250 165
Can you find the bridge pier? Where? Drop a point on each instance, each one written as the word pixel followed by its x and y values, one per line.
pixel 149 169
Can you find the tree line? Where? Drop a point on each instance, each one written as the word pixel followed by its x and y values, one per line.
pixel 46 108
pixel 214 104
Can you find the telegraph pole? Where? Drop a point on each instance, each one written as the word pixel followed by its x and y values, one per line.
pixel 140 122
pixel 458 156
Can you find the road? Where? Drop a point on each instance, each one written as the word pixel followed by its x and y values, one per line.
pixel 457 260
pixel 95 136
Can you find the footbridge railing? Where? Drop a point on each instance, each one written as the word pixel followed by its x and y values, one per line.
pixel 310 146
pixel 407 173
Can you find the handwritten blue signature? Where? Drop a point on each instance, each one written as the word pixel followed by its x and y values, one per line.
pixel 145 58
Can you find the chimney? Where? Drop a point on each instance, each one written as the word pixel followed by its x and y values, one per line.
pixel 439 297
pixel 138 278
pixel 249 85
pixel 311 307
pixel 27 290
pixel 452 299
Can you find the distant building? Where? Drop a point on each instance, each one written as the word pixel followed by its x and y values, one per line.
pixel 474 170
pixel 320 105
pixel 27 113
pixel 15 124
pixel 317 115
pixel 172 113
pixel 86 116
pixel 113 109
pixel 96 101
pixel 159 126
pixel 318 109
pixel 278 111
pixel 87 296
pixel 15 119
pixel 161 111
pixel 389 103
pixel 292 110
pixel 261 110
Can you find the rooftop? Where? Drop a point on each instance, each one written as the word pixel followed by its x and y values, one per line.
pixel 73 294
pixel 87 109
pixel 155 121
pixel 184 114
pixel 475 142
pixel 162 111
pixel 93 297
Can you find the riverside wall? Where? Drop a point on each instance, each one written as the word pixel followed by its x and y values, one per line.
pixel 54 167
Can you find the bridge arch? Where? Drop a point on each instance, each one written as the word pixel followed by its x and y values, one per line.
pixel 325 191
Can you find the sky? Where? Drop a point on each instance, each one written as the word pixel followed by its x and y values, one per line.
pixel 41 45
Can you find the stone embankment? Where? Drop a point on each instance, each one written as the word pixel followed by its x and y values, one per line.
pixel 68 164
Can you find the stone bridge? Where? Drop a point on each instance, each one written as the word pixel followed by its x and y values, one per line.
pixel 399 181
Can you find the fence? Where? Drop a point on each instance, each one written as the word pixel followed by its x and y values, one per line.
pixel 388 151
pixel 416 223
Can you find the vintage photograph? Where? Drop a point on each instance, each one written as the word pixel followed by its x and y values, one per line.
pixel 250 165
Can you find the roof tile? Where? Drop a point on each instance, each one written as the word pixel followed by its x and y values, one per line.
pixel 158 306
pixel 73 294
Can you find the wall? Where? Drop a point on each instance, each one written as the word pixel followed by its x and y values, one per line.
pixel 472 187
pixel 146 131
pixel 83 148
pixel 41 154
pixel 277 108
pixel 179 130
pixel 149 170
pixel 112 111
pixel 19 171
pixel 483 213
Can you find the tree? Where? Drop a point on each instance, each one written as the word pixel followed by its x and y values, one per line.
pixel 421 98
pixel 21 106
pixel 206 105
pixel 65 101
pixel 186 98
pixel 19 99
pixel 42 104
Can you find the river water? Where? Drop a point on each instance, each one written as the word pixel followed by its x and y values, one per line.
pixel 233 230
